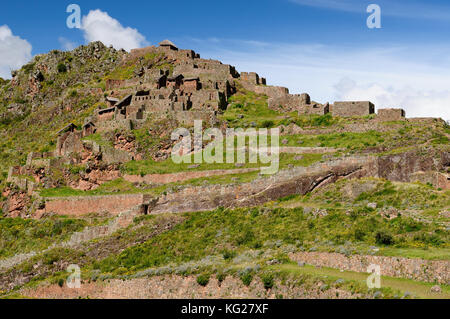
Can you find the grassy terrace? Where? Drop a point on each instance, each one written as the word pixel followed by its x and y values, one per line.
pixel 168 166
pixel 417 289
pixel 231 232
pixel 150 167
pixel 19 236
pixel 239 242
pixel 248 109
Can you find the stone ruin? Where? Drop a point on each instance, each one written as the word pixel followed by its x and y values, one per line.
pixel 195 89
pixel 391 115
pixel 349 109
pixel 199 89
pixel 279 99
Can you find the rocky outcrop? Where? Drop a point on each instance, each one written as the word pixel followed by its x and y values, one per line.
pixel 300 180
pixel 17 203
pixel 401 167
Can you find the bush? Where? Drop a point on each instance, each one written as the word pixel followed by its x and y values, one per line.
pixel 247 278
pixel 228 254
pixel 62 68
pixel 383 238
pixel 221 276
pixel 267 124
pixel 60 282
pixel 359 234
pixel 245 238
pixel 267 280
pixel 203 280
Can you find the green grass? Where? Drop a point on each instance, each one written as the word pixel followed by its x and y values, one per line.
pixel 117 186
pixel 209 233
pixel 385 193
pixel 416 288
pixel 430 253
pixel 26 235
pixel 351 141
pixel 247 108
pixel 99 139
pixel 168 166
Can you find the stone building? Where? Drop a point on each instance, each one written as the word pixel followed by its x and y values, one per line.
pixel 352 108
pixel 386 115
pixel 168 44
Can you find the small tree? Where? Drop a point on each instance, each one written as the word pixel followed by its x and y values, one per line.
pixel 383 238
pixel 203 280
pixel 267 280
pixel 62 68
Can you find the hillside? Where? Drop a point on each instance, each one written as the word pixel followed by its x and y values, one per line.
pixel 88 179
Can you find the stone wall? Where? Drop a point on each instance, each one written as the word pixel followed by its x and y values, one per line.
pixel 114 84
pixel 79 206
pixel 401 167
pixel 437 179
pixel 289 102
pixel 299 180
pixel 68 143
pixel 186 287
pixel 349 109
pixel 184 176
pixel 386 115
pixel 416 269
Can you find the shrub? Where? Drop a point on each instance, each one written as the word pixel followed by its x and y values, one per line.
pixel 359 234
pixel 267 280
pixel 62 68
pixel 228 254
pixel 28 68
pixel 60 282
pixel 247 278
pixel 203 280
pixel 247 237
pixel 383 238
pixel 221 277
pixel 267 124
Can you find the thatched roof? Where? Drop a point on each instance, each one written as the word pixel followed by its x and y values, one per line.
pixel 167 43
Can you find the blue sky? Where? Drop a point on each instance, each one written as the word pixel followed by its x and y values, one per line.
pixel 322 47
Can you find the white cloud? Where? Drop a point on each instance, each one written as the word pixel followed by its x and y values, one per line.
pixel 14 52
pixel 419 103
pixel 99 26
pixel 66 44
pixel 412 77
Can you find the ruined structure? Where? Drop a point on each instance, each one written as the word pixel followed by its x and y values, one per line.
pixel 391 115
pixel 348 109
pixel 178 85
